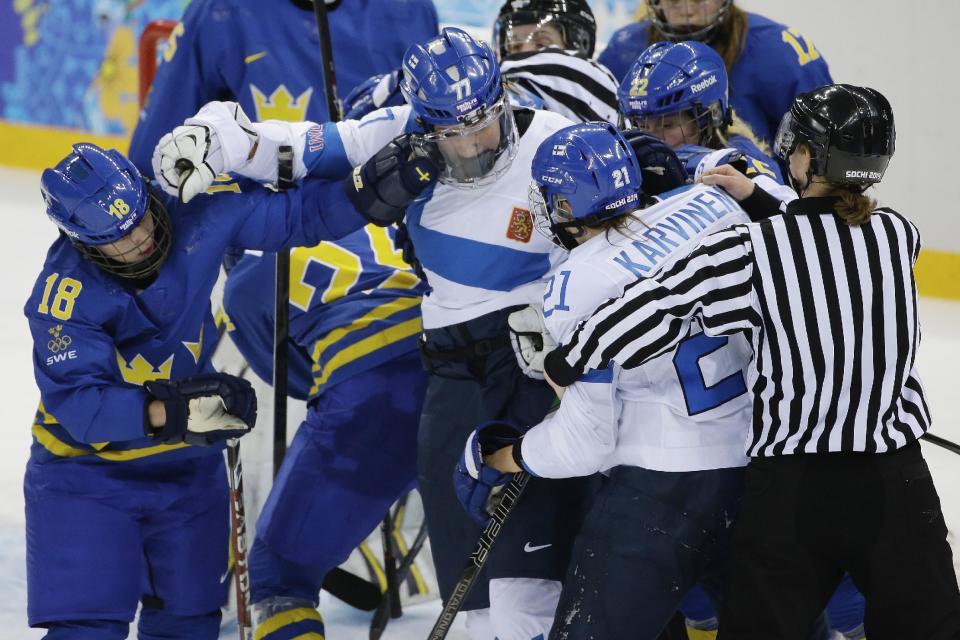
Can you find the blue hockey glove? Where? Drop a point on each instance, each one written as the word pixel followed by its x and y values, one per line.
pixel 383 187
pixel 376 92
pixel 205 408
pixel 660 167
pixel 476 483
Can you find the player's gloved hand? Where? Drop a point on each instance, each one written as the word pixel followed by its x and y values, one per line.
pixel 660 167
pixel 476 484
pixel 530 340
pixel 383 187
pixel 377 92
pixel 219 139
pixel 697 159
pixel 205 408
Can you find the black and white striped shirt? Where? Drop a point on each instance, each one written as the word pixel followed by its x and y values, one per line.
pixel 831 311
pixel 580 89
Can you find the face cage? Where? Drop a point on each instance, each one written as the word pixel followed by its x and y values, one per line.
pixel 162 238
pixel 659 18
pixel 485 165
pixel 707 122
pixel 554 230
pixel 506 41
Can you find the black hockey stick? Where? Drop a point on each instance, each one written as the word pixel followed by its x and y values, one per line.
pixel 382 615
pixel 238 539
pixel 508 500
pixel 942 442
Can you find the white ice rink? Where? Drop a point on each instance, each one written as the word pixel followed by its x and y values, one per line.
pixel 30 233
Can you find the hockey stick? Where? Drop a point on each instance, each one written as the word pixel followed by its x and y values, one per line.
pixel 390 566
pixel 942 442
pixel 382 615
pixel 508 500
pixel 238 539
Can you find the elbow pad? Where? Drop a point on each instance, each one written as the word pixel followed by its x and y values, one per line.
pixel 383 187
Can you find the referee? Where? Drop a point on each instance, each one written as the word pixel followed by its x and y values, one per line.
pixel 827 295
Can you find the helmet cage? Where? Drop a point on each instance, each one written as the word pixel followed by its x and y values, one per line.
pixel 162 239
pixel 459 151
pixel 578 30
pixel 658 17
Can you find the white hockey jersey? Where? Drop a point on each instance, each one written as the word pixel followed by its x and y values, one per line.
pixel 686 410
pixel 478 246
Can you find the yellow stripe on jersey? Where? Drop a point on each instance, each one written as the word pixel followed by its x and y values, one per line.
pixel 254 57
pixel 700 634
pixel 286 618
pixel 399 280
pixel 56 446
pixel 135 454
pixel 366 346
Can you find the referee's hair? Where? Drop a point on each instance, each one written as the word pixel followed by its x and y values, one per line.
pixel 854 207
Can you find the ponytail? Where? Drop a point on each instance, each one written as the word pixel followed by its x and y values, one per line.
pixel 854 207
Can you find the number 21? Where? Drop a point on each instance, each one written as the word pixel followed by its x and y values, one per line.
pixel 620 177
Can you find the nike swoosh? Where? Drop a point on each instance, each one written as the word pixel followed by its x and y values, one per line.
pixel 529 548
pixel 254 57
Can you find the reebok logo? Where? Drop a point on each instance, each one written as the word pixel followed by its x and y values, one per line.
pixel 703 84
pixel 529 548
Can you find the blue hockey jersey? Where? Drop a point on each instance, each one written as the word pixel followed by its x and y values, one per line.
pixel 354 305
pixel 97 339
pixel 776 64
pixel 266 56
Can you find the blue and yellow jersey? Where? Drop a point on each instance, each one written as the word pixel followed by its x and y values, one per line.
pixel 758 163
pixel 97 339
pixel 354 305
pixel 776 64
pixel 266 56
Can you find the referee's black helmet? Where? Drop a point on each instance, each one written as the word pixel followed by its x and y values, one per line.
pixel 849 130
pixel 573 17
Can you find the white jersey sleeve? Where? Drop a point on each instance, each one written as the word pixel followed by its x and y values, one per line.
pixel 330 150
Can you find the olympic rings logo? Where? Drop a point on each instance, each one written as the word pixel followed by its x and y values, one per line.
pixel 59 343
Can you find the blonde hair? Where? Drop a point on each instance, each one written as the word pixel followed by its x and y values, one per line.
pixel 729 39
pixel 739 127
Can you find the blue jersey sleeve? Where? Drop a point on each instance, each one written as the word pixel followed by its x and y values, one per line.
pixel 75 365
pixel 302 216
pixel 193 71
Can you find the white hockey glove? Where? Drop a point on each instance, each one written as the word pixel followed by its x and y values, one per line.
pixel 216 140
pixel 530 339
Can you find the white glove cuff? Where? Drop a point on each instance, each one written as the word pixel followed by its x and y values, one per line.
pixel 232 129
pixel 271 135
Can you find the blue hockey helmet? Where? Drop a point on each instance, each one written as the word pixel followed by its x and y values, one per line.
pixel 453 84
pixel 97 198
pixel 686 79
pixel 583 175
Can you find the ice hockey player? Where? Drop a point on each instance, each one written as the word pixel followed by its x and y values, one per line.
pixel 126 497
pixel 231 50
pixel 768 63
pixel 671 434
pixel 474 241
pixel 544 48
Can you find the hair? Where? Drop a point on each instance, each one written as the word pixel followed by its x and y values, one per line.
pixel 855 207
pixel 738 127
pixel 728 40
